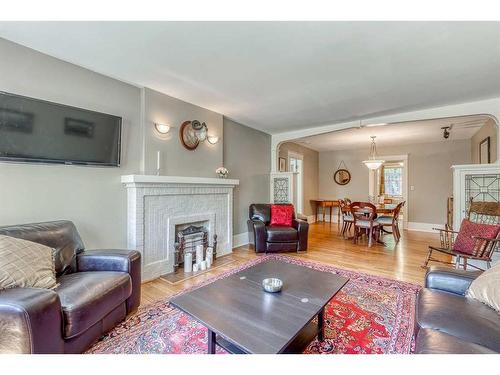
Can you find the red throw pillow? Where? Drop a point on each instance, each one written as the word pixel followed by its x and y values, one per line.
pixel 281 214
pixel 464 242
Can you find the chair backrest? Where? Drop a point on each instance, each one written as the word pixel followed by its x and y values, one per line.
pixel 344 207
pixel 397 211
pixel 363 211
pixel 262 211
pixel 484 212
pixel 347 201
pixel 61 235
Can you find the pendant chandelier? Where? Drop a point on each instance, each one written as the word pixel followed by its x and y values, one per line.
pixel 372 162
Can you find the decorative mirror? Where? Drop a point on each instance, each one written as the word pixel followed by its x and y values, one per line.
pixel 342 176
pixel 188 136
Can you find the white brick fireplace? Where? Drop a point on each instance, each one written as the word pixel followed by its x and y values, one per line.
pixel 157 204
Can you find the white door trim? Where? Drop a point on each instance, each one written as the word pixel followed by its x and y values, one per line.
pixel 404 159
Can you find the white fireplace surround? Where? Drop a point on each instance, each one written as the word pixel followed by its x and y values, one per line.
pixel 157 204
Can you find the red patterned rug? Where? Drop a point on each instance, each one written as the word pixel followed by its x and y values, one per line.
pixel 369 315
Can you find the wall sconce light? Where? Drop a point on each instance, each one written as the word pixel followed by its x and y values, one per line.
pixel 162 128
pixel 212 139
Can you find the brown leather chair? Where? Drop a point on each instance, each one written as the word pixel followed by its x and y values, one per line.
pixel 448 322
pixel 96 290
pixel 275 238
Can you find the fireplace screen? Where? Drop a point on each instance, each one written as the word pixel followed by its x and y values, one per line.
pixel 187 240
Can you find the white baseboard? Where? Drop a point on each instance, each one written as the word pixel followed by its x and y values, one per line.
pixel 241 239
pixel 311 219
pixel 423 227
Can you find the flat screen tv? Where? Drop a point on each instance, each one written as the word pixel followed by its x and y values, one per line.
pixel 37 131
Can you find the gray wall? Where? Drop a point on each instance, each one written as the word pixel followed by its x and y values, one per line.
pixel 247 157
pixel 489 129
pixel 175 159
pixel 311 171
pixel 428 171
pixel 92 197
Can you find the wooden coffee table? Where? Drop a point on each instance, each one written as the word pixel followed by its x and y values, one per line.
pixel 242 318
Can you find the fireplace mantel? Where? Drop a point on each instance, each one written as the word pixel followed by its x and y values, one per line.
pixel 150 179
pixel 157 204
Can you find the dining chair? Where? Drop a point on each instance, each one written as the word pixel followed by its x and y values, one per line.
pixel 364 215
pixel 392 221
pixel 347 219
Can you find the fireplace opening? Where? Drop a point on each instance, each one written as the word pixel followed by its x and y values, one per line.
pixel 193 238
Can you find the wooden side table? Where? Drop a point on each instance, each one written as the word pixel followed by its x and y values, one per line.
pixel 325 203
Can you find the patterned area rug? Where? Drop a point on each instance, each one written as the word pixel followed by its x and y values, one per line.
pixel 369 315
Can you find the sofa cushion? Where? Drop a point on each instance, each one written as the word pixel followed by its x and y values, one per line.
pixel 430 341
pixel 486 287
pixel 25 264
pixel 465 243
pixel 279 233
pixel 462 317
pixel 87 297
pixel 282 214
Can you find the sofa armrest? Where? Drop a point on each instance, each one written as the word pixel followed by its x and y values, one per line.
pixel 302 227
pixel 30 321
pixel 115 260
pixel 258 228
pixel 450 280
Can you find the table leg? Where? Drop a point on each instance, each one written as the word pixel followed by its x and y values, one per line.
pixel 321 325
pixel 331 208
pixel 317 207
pixel 211 342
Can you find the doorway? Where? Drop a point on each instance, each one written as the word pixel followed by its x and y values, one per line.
pixel 390 183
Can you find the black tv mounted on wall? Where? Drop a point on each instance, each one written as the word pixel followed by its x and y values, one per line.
pixel 38 131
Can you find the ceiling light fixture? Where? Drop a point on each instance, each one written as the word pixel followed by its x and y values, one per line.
pixel 162 128
pixel 372 162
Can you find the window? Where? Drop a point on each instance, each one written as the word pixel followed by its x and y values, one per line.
pixel 392 181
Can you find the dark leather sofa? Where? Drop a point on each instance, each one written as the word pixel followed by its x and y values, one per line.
pixel 96 290
pixel 447 322
pixel 275 238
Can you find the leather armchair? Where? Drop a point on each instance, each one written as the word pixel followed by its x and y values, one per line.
pixel 96 290
pixel 448 322
pixel 273 238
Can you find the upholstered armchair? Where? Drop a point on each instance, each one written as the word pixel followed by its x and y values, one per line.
pixel 95 291
pixel 275 238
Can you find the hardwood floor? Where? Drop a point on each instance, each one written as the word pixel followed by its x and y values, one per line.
pixel 401 262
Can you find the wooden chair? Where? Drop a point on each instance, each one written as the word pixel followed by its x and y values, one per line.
pixel 392 221
pixel 364 215
pixel 478 212
pixel 347 219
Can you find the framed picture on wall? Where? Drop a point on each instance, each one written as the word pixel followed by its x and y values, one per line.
pixel 282 164
pixel 484 151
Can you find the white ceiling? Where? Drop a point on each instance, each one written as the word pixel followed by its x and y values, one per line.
pixel 279 76
pixel 412 132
